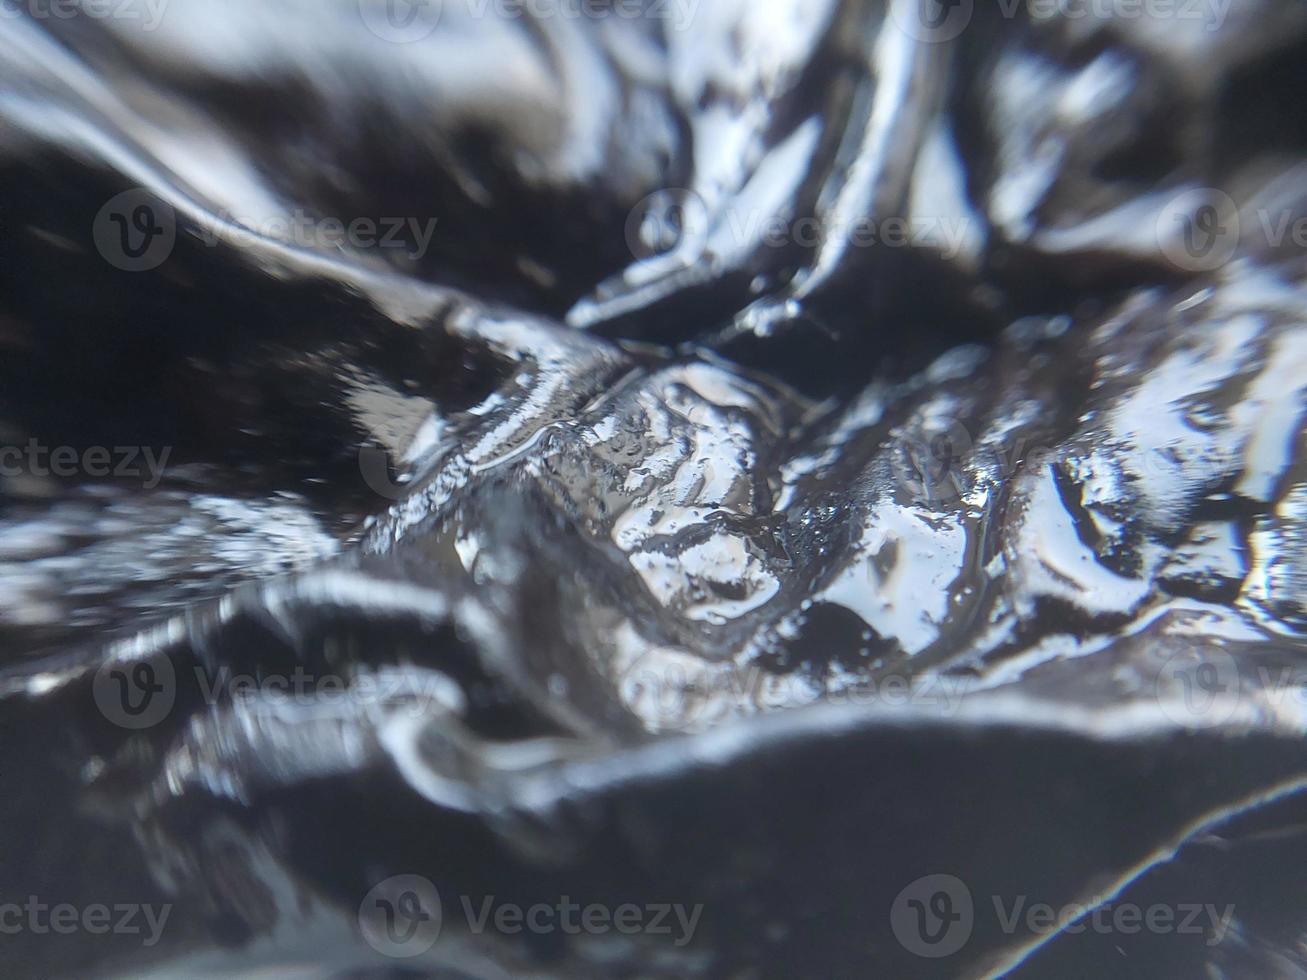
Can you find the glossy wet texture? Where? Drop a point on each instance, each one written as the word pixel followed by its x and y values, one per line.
pixel 805 455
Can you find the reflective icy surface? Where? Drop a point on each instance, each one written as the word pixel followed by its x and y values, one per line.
pixel 792 449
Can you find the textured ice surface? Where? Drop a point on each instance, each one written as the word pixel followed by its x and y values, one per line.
pixel 803 458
